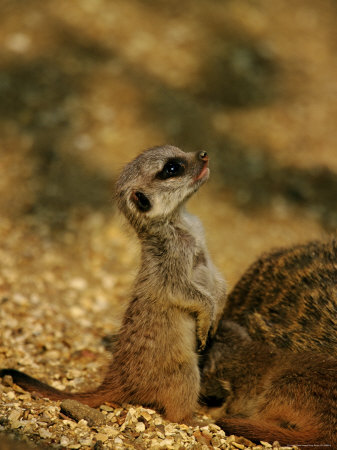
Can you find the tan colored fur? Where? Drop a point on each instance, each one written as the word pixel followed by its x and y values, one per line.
pixel 178 295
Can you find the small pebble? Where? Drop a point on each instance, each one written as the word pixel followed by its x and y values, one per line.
pixel 216 441
pixel 140 427
pixel 44 433
pixel 82 423
pixel 87 442
pixel 102 437
pixel 14 415
pixel 237 445
pixel 106 408
pixel 111 431
pixel 167 443
pixel 64 441
pixel 16 424
pixel 10 395
pixel 146 415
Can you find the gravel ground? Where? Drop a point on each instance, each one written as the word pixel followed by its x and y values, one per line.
pixel 56 324
pixel 84 86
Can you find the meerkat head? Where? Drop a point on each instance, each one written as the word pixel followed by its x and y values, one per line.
pixel 156 183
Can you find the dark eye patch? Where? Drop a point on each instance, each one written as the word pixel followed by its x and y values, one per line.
pixel 174 167
pixel 141 201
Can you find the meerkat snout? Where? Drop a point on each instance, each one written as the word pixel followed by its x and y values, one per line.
pixel 203 156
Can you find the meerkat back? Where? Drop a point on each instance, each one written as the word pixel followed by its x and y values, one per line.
pixel 288 298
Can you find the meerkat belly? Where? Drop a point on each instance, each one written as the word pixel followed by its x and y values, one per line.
pixel 173 338
pixel 157 342
pixel 157 353
pixel 184 336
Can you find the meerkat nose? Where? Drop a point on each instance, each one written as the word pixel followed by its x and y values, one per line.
pixel 203 156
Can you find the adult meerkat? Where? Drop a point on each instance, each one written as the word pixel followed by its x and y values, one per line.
pixel 273 394
pixel 287 299
pixel 178 294
pixel 286 304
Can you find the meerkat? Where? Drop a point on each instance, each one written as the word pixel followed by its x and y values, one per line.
pixel 286 299
pixel 178 295
pixel 286 304
pixel 272 394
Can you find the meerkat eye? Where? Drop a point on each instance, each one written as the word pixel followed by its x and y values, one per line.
pixel 173 168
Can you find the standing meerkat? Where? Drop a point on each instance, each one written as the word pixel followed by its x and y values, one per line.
pixel 178 294
pixel 272 394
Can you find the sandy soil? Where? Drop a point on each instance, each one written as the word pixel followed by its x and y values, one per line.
pixel 84 86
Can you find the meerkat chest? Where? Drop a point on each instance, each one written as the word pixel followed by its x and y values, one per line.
pixel 193 228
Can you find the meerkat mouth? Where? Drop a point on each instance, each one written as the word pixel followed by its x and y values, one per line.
pixel 203 173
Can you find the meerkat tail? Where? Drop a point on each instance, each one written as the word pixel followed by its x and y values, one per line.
pixel 92 398
pixel 31 384
pixel 268 431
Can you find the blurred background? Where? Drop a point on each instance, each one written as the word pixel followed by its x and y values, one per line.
pixel 87 84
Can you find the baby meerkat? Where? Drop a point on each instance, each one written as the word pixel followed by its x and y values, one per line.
pixel 178 294
pixel 272 394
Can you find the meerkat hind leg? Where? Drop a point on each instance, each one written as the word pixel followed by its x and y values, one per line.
pixel 180 400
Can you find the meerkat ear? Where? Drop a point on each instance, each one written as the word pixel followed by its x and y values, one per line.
pixel 141 201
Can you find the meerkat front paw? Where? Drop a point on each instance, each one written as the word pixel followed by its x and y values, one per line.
pixel 202 344
pixel 203 327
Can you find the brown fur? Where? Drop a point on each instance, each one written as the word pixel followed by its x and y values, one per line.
pixel 288 298
pixel 178 294
pixel 273 395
